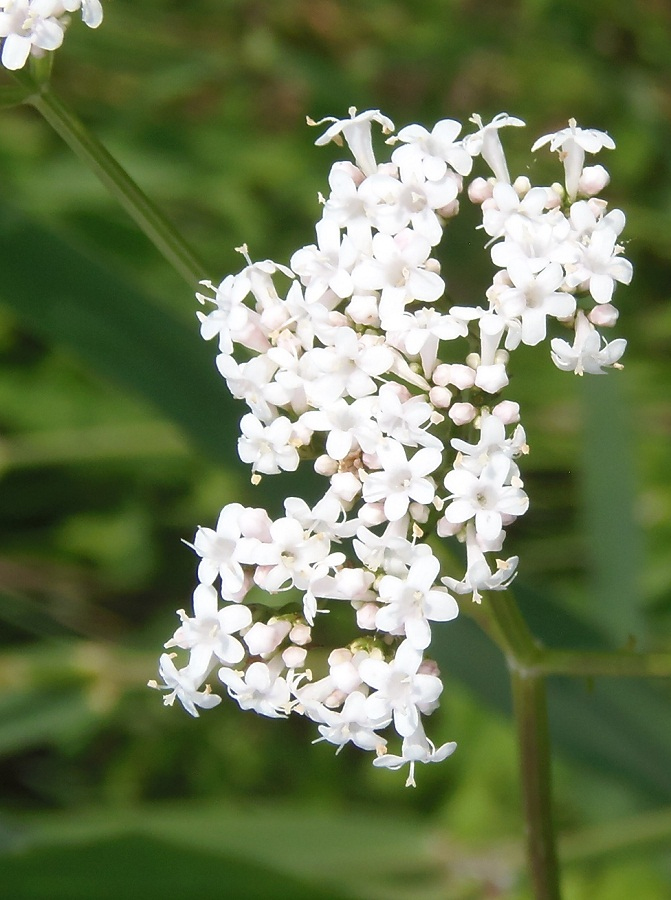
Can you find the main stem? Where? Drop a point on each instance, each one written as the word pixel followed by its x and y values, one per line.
pixel 535 772
pixel 141 209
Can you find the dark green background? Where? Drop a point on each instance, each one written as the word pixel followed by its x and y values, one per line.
pixel 118 439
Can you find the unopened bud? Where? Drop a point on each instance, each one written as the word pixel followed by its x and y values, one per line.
pixel 462 413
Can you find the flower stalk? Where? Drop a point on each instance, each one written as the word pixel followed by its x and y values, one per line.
pixel 146 215
pixel 530 705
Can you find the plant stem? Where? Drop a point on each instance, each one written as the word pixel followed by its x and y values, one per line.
pixel 117 181
pixel 530 706
pixel 615 664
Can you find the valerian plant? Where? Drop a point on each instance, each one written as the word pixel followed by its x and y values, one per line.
pixel 352 360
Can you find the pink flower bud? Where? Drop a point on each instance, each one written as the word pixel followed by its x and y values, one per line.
pixel 372 514
pixel 255 523
pixel 604 315
pixel 440 397
pixel 262 639
pixel 593 180
pixel 300 634
pixel 507 411
pixel 462 377
pixel 462 413
pixel 479 190
pixel 447 529
pixel 365 616
pixel 294 657
pixel 441 374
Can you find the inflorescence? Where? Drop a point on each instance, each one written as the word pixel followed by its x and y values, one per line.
pixel 352 357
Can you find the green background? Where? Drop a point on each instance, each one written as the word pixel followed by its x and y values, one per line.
pixel 118 438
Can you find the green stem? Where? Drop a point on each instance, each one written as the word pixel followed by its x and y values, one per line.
pixel 534 747
pixel 616 664
pixel 117 181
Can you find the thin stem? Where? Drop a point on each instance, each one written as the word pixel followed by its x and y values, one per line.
pixel 616 664
pixel 117 181
pixel 534 746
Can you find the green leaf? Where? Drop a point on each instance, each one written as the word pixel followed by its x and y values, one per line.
pixel 118 331
pixel 612 534
pixel 279 847
pixel 139 867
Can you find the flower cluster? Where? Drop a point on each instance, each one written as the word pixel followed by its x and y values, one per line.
pixel 32 27
pixel 351 357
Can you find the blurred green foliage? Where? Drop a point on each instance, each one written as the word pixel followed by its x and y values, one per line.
pixel 117 439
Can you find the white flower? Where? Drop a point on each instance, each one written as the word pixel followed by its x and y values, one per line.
pixel 492 441
pixel 400 691
pixel 349 425
pixel 401 479
pixel 263 638
pixel 326 265
pixel 487 143
pixel 479 576
pixel 402 418
pixel 260 688
pixel 92 11
pixel 430 153
pixel 183 685
pixel 352 723
pixel 269 448
pixel 209 632
pixel 586 354
pixel 357 132
pixel 29 26
pixel 412 601
pixel 415 748
pixel 573 142
pixel 219 551
pixel 293 557
pixel 399 269
pixel 600 266
pixel 349 366
pixel 534 297
pixel 229 320
pixel 486 497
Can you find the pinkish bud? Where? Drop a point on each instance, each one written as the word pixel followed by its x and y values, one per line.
pixel 604 315
pixel 479 190
pixel 507 411
pixel 440 397
pixel 593 180
pixel 462 413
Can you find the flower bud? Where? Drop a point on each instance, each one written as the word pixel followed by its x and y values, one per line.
pixel 522 185
pixel 479 190
pixel 593 180
pixel 462 413
pixel 507 411
pixel 324 465
pixel 462 377
pixel 365 616
pixel 294 657
pixel 441 397
pixel 604 315
pixel 262 639
pixel 300 634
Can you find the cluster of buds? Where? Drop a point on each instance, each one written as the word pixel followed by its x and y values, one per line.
pixel 349 358
pixel 33 27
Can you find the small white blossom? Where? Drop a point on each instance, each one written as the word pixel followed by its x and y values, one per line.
pixel 183 685
pixel 401 479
